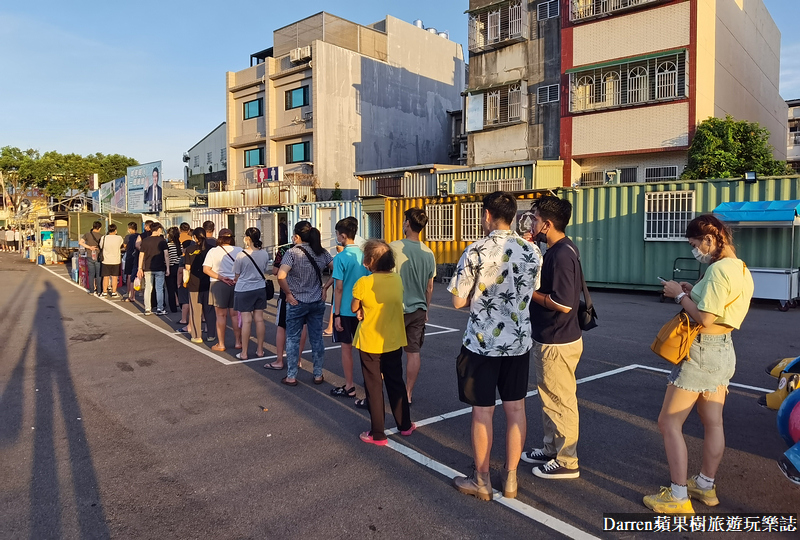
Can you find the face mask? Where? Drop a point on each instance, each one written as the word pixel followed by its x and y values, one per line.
pixel 703 258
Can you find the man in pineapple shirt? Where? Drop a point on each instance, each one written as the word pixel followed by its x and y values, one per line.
pixel 495 278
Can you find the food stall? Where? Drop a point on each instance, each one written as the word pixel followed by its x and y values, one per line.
pixel 783 283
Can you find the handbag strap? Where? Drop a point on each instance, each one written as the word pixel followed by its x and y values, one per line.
pixel 228 253
pixel 586 297
pixel 313 263
pixel 255 264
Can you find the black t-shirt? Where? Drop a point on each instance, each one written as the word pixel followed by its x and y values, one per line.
pixel 194 257
pixel 561 279
pixel 153 248
pixel 130 245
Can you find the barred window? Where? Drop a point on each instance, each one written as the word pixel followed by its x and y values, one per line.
pixel 374 225
pixel 645 80
pixel 627 175
pixel 471 227
pixel 593 178
pixel 441 223
pixel 390 187
pixel 209 158
pixel 514 102
pixel 492 107
pixel 223 154
pixel 547 10
pixel 500 23
pixel 666 214
pixel 197 160
pixel 661 174
pixel 503 105
pixel 587 9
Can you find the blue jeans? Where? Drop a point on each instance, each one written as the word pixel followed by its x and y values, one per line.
pixel 150 279
pixel 296 316
pixel 95 279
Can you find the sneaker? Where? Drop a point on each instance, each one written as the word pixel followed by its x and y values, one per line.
pixel 706 496
pixel 161 312
pixel 114 295
pixel 103 294
pixel 409 431
pixel 90 293
pixel 197 340
pixel 99 294
pixel 210 339
pixel 367 438
pixel 553 470
pixel 478 485
pixel 536 456
pixel 148 312
pixel 664 503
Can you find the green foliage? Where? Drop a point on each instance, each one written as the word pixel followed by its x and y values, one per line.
pixel 727 148
pixel 336 194
pixel 56 173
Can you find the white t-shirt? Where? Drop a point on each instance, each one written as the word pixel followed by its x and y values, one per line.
pixel 9 235
pixel 218 260
pixel 111 244
pixel 16 236
pixel 249 278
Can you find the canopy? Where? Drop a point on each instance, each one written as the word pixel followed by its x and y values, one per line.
pixel 760 213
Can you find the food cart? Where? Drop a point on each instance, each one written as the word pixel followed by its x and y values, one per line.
pixel 782 284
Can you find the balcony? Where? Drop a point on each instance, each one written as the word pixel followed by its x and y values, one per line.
pixel 499 25
pixel 584 10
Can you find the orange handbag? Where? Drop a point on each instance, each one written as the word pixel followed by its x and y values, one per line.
pixel 675 338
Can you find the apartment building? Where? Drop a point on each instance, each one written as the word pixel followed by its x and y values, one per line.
pixel 639 75
pixel 331 97
pixel 206 162
pixel 793 143
pixel 512 97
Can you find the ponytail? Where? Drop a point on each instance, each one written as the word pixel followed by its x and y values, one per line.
pixel 255 237
pixel 309 235
pixel 200 234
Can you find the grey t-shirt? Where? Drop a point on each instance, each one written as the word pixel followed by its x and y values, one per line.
pixel 249 278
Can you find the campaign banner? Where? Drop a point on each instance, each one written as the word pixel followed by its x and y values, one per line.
pixel 118 197
pixel 144 188
pixel 105 192
pixel 96 200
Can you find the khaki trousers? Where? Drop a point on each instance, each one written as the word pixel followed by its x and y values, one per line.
pixel 555 377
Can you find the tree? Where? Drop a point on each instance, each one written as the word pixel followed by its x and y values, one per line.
pixel 727 148
pixel 16 175
pixel 336 194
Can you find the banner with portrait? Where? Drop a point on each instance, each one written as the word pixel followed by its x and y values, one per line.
pixel 144 186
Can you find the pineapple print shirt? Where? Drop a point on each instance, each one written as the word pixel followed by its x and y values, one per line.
pixel 498 274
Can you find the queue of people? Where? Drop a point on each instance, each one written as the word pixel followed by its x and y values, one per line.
pixel 523 307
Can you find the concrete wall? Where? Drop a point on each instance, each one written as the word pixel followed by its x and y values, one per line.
pixel 624 130
pixel 373 115
pixel 640 32
pixel 640 161
pixel 501 145
pixel 747 70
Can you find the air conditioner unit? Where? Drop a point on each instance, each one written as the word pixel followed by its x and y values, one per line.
pixel 294 56
pixel 308 115
pixel 305 52
pixel 304 211
pixel 300 54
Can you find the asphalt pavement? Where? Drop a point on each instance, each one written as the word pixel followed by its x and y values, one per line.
pixel 113 425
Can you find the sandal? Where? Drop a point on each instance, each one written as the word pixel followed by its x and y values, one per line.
pixel 218 347
pixel 285 381
pixel 362 404
pixel 319 380
pixel 341 391
pixel 273 367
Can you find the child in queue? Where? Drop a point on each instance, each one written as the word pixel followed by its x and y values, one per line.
pixel 379 338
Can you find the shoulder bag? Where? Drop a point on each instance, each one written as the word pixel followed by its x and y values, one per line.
pixel 675 338
pixel 268 282
pixel 587 316
pixel 98 255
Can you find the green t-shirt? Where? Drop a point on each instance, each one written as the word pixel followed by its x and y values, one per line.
pixel 726 281
pixel 416 264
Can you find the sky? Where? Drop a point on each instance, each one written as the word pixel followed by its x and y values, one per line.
pixel 146 79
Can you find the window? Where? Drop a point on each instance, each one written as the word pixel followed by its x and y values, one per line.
pixel 661 174
pixel 500 23
pixel 666 214
pixel 643 80
pixel 471 222
pixel 547 94
pixel 500 106
pixel 627 175
pixel 505 184
pixel 390 187
pixel 586 9
pixel 223 155
pixel 298 152
pixel 297 98
pixel 441 223
pixel 252 109
pixel 208 158
pixel 493 107
pixel 514 102
pixel 374 228
pixel 547 10
pixel 196 161
pixel 593 178
pixel 254 157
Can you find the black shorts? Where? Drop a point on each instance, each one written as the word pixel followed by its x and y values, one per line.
pixel 415 330
pixel 110 270
pixel 183 295
pixel 345 336
pixel 280 318
pixel 479 376
pixel 249 301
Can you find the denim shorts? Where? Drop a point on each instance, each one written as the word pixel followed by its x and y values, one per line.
pixel 712 364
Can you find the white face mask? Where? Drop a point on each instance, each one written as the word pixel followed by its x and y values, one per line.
pixel 703 258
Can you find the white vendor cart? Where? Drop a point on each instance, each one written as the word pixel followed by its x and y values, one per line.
pixel 782 284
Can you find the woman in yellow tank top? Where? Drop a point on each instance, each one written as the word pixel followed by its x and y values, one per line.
pixel 719 302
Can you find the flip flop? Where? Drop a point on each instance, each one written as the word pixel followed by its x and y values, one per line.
pixel 362 404
pixel 218 348
pixel 273 367
pixel 239 356
pixel 287 383
pixel 319 380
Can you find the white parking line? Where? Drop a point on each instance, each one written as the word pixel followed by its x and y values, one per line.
pixel 169 333
pixel 737 385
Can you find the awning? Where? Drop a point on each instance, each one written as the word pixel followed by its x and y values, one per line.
pixel 760 213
